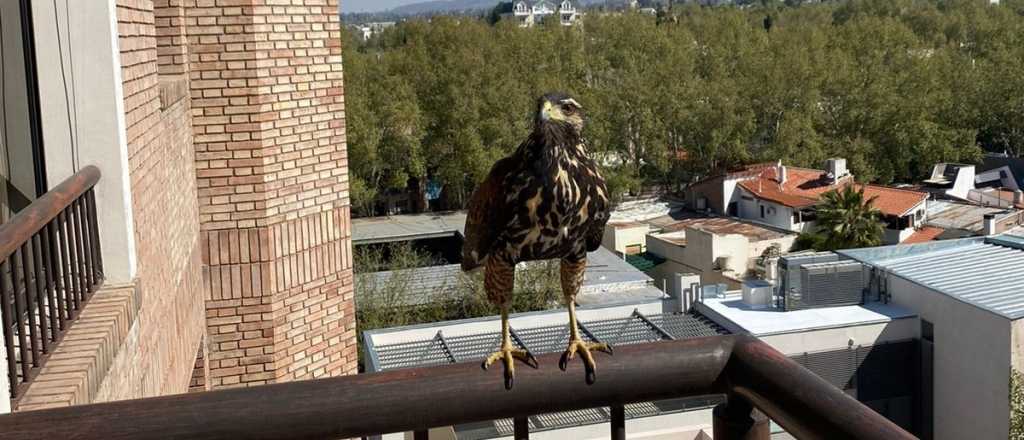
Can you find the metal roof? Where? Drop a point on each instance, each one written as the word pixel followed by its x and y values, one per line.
pixel 987 273
pixel 633 329
pixel 371 230
pixel 607 278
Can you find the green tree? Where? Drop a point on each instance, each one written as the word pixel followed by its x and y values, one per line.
pixel 846 220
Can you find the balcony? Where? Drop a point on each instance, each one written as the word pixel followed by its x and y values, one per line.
pixel 50 266
pixel 758 382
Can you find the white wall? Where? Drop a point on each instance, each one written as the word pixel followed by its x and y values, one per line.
pixel 971 363
pixel 82 106
pixel 839 338
pixel 619 239
pixel 963 184
pixel 777 215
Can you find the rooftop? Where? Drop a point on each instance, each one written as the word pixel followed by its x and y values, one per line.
pixel 680 220
pixel 803 186
pixel 947 214
pixel 984 272
pixel 924 235
pixel 407 227
pixel 894 201
pixel 608 279
pixel 540 332
pixel 733 314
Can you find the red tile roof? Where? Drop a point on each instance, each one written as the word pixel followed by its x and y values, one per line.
pixel 803 186
pixel 925 234
pixel 894 201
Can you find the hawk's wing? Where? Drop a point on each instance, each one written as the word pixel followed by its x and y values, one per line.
pixel 488 215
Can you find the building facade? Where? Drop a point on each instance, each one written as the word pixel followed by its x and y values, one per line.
pixel 222 209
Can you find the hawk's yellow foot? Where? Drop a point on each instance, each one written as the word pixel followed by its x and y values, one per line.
pixel 585 350
pixel 509 355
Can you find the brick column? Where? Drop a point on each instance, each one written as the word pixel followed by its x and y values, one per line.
pixel 272 169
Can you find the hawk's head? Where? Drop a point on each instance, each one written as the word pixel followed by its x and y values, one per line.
pixel 558 112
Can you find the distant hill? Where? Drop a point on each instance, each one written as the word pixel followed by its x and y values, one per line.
pixel 443 6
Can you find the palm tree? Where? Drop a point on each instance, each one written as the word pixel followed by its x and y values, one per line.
pixel 846 221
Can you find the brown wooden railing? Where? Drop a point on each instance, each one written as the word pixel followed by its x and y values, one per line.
pixel 750 373
pixel 50 264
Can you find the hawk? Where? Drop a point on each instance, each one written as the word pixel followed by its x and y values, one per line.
pixel 545 201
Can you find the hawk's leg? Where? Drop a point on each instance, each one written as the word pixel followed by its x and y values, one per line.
pixel 572 278
pixel 499 278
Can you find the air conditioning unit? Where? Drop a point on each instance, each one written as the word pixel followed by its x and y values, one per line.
pixel 757 294
pixel 831 284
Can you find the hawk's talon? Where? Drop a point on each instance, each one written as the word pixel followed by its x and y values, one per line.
pixel 508 355
pixel 585 349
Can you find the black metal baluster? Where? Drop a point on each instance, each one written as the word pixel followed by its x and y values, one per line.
pixel 90 273
pixel 30 293
pixel 421 435
pixel 40 293
pixel 521 427
pixel 73 252
pixel 618 422
pixel 53 278
pixel 90 201
pixel 8 322
pixel 19 314
pixel 70 299
pixel 83 278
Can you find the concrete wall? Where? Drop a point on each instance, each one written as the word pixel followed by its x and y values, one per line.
pixel 971 359
pixel 619 239
pixel 82 107
pixel 844 337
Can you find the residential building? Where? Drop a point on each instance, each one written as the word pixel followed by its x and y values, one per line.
pixel 718 249
pixel 528 13
pixel 366 31
pixel 995 186
pixel 785 197
pixel 208 239
pixel 967 295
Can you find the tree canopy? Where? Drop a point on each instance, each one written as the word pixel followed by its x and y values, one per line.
pixel 894 86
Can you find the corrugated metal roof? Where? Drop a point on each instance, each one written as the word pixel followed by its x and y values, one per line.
pixel 988 273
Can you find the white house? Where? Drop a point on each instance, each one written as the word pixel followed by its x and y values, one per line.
pixel 529 13
pixel 786 197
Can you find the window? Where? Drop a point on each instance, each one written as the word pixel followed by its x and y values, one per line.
pixel 21 151
pixel 762 211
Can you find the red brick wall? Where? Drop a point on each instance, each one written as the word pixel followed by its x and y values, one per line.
pixel 268 107
pixel 165 211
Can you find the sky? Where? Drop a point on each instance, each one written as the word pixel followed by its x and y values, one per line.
pixel 372 5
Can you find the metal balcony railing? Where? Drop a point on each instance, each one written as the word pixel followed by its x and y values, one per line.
pixel 50 265
pixel 750 373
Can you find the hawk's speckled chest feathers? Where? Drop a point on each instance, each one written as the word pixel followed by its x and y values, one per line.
pixel 559 197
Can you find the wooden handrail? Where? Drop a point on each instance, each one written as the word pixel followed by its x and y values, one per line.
pixel 33 218
pixel 421 398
